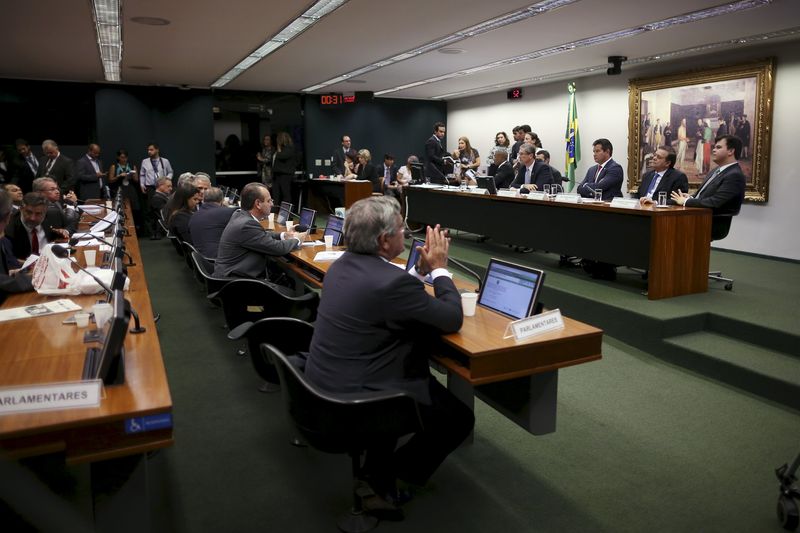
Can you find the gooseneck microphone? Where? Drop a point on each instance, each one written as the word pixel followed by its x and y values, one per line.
pixel 62 253
pixel 466 269
pixel 120 251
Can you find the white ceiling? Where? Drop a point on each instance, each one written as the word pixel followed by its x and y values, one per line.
pixel 55 40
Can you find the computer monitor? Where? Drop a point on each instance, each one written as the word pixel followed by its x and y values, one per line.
pixel 335 227
pixel 487 182
pixel 307 217
pixel 284 213
pixel 510 289
pixel 413 257
pixel 107 362
pixel 417 173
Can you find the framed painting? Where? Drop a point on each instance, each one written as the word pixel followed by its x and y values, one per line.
pixel 685 112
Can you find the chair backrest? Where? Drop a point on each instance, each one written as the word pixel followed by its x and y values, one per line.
pixel 187 253
pixel 205 270
pixel 248 300
pixel 720 226
pixel 342 423
pixel 289 335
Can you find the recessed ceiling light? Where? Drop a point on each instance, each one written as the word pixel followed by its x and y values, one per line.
pixel 150 21
pixel 140 67
pixel 450 51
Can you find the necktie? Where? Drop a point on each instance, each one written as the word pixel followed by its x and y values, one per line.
pixel 527 175
pixel 653 184
pixel 387 176
pixel 34 242
pixel 599 169
pixel 713 175
pixel 34 164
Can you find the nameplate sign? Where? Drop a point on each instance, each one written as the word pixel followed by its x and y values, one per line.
pixel 328 256
pixel 50 396
pixel 568 198
pixel 536 195
pixel 535 325
pixel 625 203
pixel 479 191
pixel 508 194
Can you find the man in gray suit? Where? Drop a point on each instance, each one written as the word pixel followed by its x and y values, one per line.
pixel 245 247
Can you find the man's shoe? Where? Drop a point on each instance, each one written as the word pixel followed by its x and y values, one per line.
pixel 378 506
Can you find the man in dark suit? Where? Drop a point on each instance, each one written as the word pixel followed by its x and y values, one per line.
pixel 434 154
pixel 60 214
pixel 57 166
pixel 337 161
pixel 533 174
pixel 544 156
pixel 374 329
pixel 157 203
pixel 519 136
pixel 388 175
pixel 24 167
pixel 606 175
pixel 208 223
pixel 245 247
pixel 10 280
pixel 504 173
pixel 89 173
pixel 33 226
pixel 662 178
pixel 723 189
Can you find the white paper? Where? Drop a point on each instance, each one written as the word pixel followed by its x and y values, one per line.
pixel 312 243
pixel 29 261
pixel 46 308
pixel 102 225
pixel 328 256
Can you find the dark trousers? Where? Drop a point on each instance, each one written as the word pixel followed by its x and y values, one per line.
pixel 150 222
pixel 281 189
pixel 446 423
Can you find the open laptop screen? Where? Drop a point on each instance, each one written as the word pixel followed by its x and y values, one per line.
pixel 510 289
pixel 335 227
pixel 284 213
pixel 307 217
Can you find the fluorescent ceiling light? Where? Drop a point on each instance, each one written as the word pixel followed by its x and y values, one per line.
pixel 107 16
pixel 591 41
pixel 488 25
pixel 310 17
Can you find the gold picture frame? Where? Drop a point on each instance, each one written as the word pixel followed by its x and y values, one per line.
pixel 705 103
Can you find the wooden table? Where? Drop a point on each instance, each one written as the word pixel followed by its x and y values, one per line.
pixel 673 244
pixel 518 378
pixel 43 350
pixel 343 193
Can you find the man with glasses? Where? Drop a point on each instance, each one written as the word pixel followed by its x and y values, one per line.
pixel 60 214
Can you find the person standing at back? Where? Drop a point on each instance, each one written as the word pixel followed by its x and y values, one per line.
pixel 283 167
pixel 152 168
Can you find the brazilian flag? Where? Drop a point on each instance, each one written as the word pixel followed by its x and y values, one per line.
pixel 573 138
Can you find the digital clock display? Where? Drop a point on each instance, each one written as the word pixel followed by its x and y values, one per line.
pixel 514 94
pixel 331 99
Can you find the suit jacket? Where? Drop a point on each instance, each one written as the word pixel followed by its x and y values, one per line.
pixel 21 174
pixel 284 163
pixel 10 284
pixel 672 180
pixel 375 325
pixel 206 227
pixel 609 180
pixel 557 178
pixel 63 171
pixel 504 175
pixel 245 247
pixel 18 234
pixel 540 175
pixel 434 164
pixel 60 214
pixel 370 172
pixel 337 161
pixel 89 185
pixel 158 202
pixel 179 225
pixel 724 195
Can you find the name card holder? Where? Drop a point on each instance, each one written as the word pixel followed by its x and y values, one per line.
pixel 568 198
pixel 534 325
pixel 511 193
pixel 538 195
pixel 50 396
pixel 625 203
pixel 478 190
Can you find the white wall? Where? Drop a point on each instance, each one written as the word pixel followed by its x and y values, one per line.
pixel 771 229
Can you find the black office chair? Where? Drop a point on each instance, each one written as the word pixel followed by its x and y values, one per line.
pixel 188 248
pixel 344 423
pixel 204 272
pixel 289 335
pixel 720 226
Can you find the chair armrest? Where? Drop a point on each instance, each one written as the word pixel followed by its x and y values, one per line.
pixel 239 331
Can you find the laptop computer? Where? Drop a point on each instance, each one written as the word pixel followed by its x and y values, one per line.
pixel 510 289
pixel 284 213
pixel 335 227
pixel 487 182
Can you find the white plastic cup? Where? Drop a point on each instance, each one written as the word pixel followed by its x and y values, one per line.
pixel 90 256
pixel 271 217
pixel 598 195
pixel 82 319
pixel 289 226
pixel 102 313
pixel 328 242
pixel 469 301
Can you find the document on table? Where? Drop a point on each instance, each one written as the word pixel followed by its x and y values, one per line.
pixel 42 309
pixel 328 256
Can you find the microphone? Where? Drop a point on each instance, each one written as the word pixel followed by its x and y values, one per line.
pixel 466 269
pixel 120 251
pixel 62 253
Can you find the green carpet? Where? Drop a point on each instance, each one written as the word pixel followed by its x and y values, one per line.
pixel 641 445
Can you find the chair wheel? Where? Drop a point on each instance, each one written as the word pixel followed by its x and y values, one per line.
pixel 729 286
pixel 241 353
pixel 788 514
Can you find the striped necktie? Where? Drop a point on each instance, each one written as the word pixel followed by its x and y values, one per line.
pixel 714 174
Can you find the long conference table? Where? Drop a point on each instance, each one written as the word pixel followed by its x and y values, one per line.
pixel 517 378
pixel 43 350
pixel 672 244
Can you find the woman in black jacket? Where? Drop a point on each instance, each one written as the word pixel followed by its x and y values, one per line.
pixel 283 165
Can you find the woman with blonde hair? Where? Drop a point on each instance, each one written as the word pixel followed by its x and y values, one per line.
pixel 467 156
